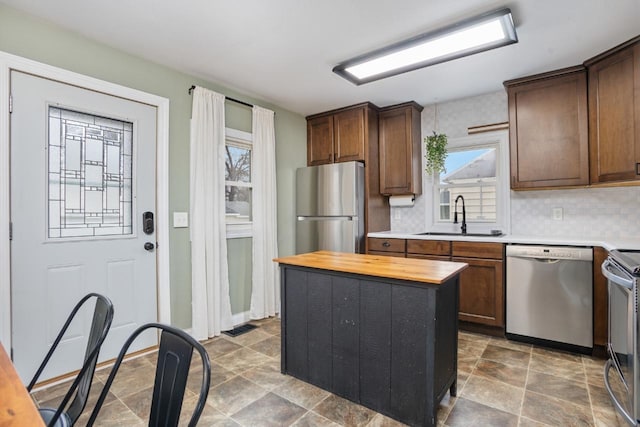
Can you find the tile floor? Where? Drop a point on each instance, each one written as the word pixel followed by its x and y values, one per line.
pixel 500 383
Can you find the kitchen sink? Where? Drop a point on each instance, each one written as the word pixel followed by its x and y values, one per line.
pixel 438 233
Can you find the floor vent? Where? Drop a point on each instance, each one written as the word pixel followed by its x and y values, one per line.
pixel 240 330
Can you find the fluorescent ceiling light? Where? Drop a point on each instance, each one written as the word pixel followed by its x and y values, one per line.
pixel 480 33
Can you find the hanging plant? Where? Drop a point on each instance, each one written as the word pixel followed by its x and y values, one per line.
pixel 436 153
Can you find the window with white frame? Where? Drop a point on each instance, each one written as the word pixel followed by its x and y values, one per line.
pixel 476 169
pixel 238 186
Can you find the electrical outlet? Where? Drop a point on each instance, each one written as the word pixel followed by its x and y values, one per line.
pixel 397 214
pixel 557 214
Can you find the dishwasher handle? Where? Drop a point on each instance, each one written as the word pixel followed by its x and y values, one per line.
pixel 547 260
pixel 616 275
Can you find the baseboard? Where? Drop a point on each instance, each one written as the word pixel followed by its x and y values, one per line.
pixel 241 318
pixel 495 331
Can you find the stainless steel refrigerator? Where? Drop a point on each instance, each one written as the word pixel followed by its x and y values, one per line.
pixel 330 208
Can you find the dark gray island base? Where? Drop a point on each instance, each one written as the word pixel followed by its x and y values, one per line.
pixel 388 344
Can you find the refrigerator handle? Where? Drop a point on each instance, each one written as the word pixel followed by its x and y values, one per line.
pixel 327 218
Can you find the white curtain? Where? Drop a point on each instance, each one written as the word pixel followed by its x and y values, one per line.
pixel 265 293
pixel 211 305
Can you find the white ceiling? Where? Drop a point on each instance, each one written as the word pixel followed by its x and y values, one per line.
pixel 282 51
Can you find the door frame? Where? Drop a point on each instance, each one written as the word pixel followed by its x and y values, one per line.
pixel 9 62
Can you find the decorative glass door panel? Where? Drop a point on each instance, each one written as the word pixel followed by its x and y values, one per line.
pixel 90 175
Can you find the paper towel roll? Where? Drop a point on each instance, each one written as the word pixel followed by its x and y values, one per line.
pixel 401 201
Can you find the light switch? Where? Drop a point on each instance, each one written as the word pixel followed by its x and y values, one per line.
pixel 180 219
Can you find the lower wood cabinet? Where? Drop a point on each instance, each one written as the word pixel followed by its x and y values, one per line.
pixel 482 288
pixel 482 291
pixel 386 247
pixel 439 250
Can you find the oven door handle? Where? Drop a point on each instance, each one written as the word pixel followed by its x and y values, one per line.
pixel 609 271
pixel 616 403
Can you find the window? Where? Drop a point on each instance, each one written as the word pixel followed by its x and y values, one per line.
pixel 90 175
pixel 238 186
pixel 476 170
pixel 471 173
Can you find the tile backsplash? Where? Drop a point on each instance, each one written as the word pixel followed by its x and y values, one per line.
pixel 612 213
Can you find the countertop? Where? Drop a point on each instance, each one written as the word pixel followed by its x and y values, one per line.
pixel 415 270
pixel 16 406
pixel 608 244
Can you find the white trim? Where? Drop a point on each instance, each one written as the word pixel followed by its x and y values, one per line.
pixel 499 138
pixel 242 139
pixel 12 62
pixel 239 231
pixel 239 136
pixel 241 318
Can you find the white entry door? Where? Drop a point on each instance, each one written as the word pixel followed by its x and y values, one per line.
pixel 82 175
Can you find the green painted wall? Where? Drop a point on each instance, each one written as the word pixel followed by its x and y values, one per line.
pixel 239 257
pixel 34 38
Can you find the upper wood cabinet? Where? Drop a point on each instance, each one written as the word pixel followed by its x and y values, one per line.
pixel 614 113
pixel 548 129
pixel 400 154
pixel 351 134
pixel 320 140
pixel 338 135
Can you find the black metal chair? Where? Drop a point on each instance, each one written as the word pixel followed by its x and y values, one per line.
pixel 172 370
pixel 79 390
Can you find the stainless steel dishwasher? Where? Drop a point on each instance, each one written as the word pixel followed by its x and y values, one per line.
pixel 550 295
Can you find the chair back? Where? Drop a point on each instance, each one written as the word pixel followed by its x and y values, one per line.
pixel 81 386
pixel 172 370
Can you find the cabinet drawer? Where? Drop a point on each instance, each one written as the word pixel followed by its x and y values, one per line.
pixel 386 245
pixel 477 250
pixel 429 247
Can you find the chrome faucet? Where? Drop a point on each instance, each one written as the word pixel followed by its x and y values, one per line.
pixel 464 214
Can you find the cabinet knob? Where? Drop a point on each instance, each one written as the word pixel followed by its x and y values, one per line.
pixel 386 244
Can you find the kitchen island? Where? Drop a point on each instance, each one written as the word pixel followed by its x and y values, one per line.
pixel 377 330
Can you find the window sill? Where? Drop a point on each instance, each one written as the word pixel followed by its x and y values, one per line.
pixel 239 231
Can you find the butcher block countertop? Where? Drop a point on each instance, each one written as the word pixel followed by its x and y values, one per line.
pixel 415 270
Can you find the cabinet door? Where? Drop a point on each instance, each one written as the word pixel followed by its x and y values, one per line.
pixel 482 292
pixel 345 330
pixel 375 359
pixel 320 141
pixel 348 133
pixel 395 152
pixel 548 132
pixel 614 116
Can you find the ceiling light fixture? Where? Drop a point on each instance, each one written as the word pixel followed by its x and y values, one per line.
pixel 484 32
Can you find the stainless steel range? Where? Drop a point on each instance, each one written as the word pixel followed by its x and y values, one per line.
pixel 622 269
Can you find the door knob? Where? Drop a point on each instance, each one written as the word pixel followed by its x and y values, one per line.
pixel 148 246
